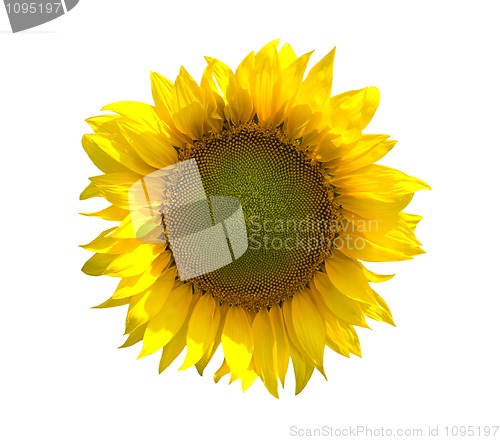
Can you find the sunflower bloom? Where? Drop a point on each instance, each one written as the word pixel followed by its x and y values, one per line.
pixel 244 205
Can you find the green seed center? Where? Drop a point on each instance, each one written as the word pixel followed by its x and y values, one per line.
pixel 288 209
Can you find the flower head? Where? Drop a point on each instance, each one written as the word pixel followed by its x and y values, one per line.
pixel 244 205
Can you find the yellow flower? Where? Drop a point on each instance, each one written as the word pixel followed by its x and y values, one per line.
pixel 263 197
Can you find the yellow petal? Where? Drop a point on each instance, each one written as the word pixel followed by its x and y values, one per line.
pixel 348 277
pixel 386 239
pixel 188 113
pixel 352 337
pixel 282 344
pixel 221 372
pixel 139 111
pixel 378 182
pixel 116 146
pixel 411 220
pixel 302 369
pixel 98 239
pixel 368 207
pixel 373 277
pixel 139 283
pixel 367 150
pixel 302 121
pixel 292 77
pixel 202 325
pixel 391 249
pixel 380 313
pixel 317 86
pixel 173 348
pixel 215 341
pixel 97 264
pixel 237 340
pixel 163 326
pixel 248 377
pixel 245 70
pixel 340 305
pixel 266 85
pixel 151 144
pixel 213 104
pixel 222 74
pixel 135 336
pixel 145 132
pixel 264 353
pixel 125 229
pixel 178 342
pixel 286 56
pixel 135 261
pixel 342 338
pixel 105 243
pixel 309 327
pixel 162 89
pixel 290 330
pixel 334 338
pixel 352 111
pixel 101 159
pixel 145 305
pixel 111 302
pixel 90 191
pixel 240 103
pixel 115 187
pixel 111 213
pixel 306 117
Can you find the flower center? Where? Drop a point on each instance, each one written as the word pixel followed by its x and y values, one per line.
pixel 288 209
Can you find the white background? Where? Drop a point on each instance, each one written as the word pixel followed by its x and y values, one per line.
pixel 61 376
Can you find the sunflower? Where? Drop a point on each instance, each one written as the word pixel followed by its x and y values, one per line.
pixel 263 198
